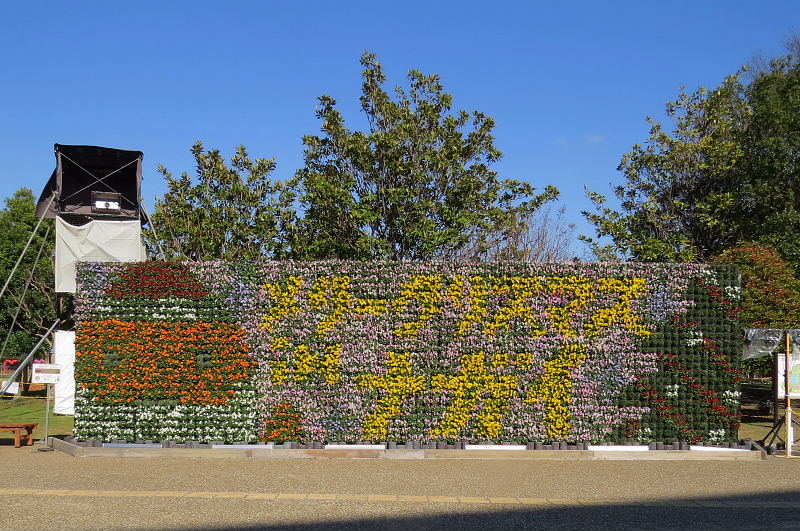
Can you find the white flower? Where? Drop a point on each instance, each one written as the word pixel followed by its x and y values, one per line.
pixel 695 339
pixel 671 391
pixel 731 397
pixel 716 436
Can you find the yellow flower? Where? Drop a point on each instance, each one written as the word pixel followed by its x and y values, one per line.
pixel 475 383
pixel 554 389
pixel 332 364
pixel 425 289
pixel 280 372
pixel 398 384
pixel 334 295
pixel 285 301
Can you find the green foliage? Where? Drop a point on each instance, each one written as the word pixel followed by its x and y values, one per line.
pixel 726 173
pixel 228 212
pixel 416 185
pixel 677 202
pixel 771 297
pixel 771 291
pixel 36 307
pixel 770 174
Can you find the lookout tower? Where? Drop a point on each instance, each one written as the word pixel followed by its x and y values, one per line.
pixel 94 195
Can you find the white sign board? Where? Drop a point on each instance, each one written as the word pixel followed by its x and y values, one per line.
pixel 13 387
pixel 45 373
pixel 794 375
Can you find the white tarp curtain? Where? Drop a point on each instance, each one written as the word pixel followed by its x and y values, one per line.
pixel 64 357
pixel 97 241
pixel 760 342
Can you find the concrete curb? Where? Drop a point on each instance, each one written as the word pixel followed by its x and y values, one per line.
pixel 528 455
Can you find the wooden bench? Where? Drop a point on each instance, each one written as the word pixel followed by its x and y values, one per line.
pixel 17 428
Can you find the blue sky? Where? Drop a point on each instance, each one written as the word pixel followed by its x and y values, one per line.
pixel 568 83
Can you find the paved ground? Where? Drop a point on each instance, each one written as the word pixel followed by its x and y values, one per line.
pixel 56 491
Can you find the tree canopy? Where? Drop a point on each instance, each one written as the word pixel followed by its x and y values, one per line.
pixel 416 184
pixel 234 212
pixel 29 296
pixel 727 172
pixel 771 295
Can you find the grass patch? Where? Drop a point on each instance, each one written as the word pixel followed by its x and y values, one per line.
pixel 755 430
pixel 32 409
pixel 756 423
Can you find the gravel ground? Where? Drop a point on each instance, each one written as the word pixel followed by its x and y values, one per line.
pixel 582 494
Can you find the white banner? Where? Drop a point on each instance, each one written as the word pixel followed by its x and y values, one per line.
pixel 64 357
pixel 97 241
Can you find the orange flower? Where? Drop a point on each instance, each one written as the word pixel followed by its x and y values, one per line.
pixel 193 362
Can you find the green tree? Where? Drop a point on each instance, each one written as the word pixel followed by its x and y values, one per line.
pixel 416 185
pixel 234 212
pixel 29 295
pixel 770 173
pixel 727 172
pixel 678 201
pixel 771 291
pixel 771 296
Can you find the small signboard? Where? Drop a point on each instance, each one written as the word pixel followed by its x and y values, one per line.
pixel 45 373
pixel 13 387
pixel 794 375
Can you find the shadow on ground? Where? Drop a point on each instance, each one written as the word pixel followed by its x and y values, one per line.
pixel 774 511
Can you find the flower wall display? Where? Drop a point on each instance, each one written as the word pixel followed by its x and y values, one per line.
pixel 337 351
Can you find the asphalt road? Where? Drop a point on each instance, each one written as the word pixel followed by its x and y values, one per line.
pixel 55 491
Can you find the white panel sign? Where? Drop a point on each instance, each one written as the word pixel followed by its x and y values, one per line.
pixel 45 373
pixel 13 387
